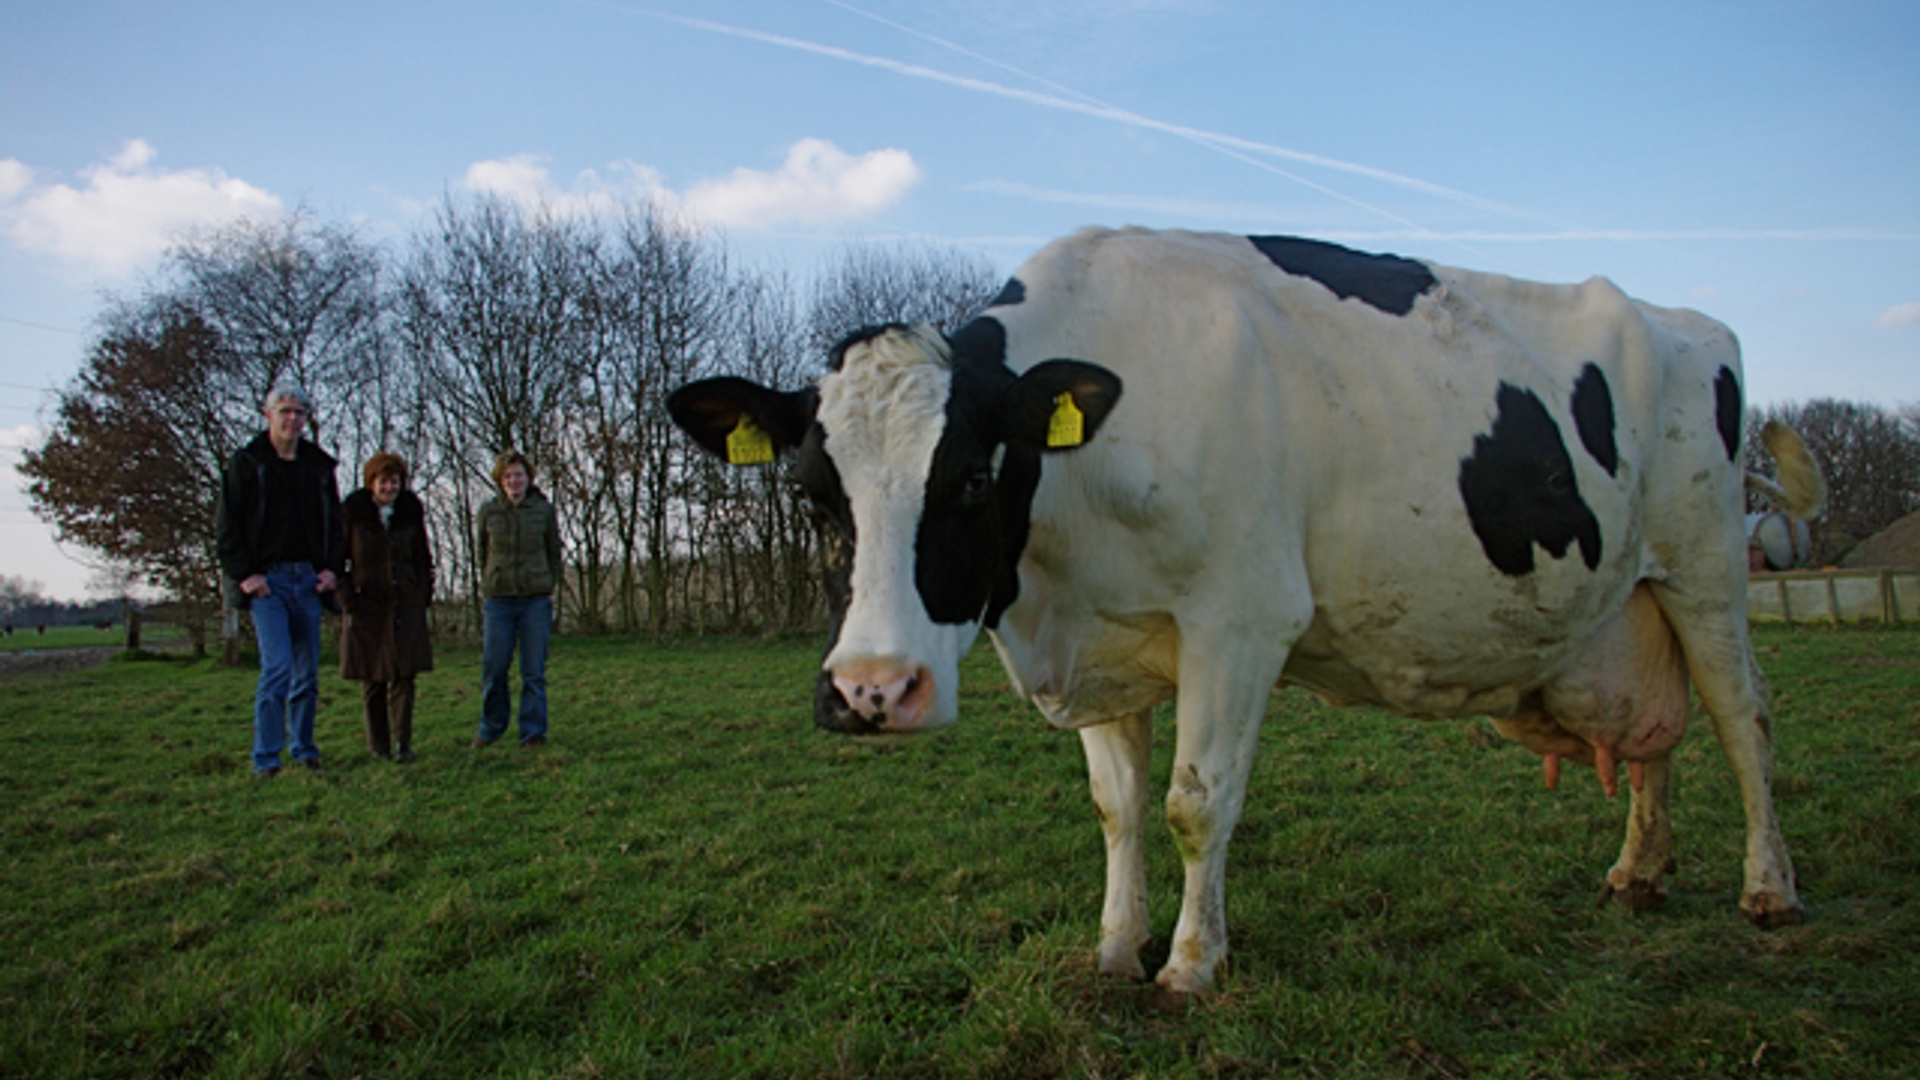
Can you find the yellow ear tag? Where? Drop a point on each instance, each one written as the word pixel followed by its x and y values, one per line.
pixel 1068 425
pixel 747 444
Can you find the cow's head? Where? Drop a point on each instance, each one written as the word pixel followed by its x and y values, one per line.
pixel 919 462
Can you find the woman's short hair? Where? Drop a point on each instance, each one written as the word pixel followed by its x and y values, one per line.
pixel 288 391
pixel 508 460
pixel 384 463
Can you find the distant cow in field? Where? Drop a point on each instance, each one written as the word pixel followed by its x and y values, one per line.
pixel 1168 465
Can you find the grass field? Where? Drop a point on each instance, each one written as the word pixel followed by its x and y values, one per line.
pixel 691 882
pixel 69 637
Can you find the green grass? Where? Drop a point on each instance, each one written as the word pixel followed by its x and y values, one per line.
pixel 69 637
pixel 689 881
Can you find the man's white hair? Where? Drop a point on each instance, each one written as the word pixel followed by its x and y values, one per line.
pixel 288 391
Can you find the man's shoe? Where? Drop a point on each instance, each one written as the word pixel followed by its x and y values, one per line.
pixel 311 764
pixel 268 773
pixel 534 743
pixel 480 743
pixel 403 755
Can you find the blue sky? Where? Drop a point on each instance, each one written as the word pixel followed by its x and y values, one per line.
pixel 1757 161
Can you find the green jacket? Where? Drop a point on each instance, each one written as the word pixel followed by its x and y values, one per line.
pixel 519 546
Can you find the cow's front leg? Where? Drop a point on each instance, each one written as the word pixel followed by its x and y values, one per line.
pixel 1223 694
pixel 1647 853
pixel 1119 754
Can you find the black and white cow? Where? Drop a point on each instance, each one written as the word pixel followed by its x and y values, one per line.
pixel 1434 491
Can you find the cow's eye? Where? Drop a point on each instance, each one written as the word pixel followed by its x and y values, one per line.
pixel 978 485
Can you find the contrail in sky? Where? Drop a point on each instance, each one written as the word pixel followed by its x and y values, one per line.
pixel 1249 151
pixel 1231 145
pixel 1212 140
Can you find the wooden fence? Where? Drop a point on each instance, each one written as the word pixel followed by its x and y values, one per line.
pixel 1835 596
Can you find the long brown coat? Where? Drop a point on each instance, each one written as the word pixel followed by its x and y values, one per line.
pixel 385 591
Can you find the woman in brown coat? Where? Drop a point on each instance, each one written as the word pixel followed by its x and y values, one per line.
pixel 385 593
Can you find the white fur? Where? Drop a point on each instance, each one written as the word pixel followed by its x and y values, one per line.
pixel 883 413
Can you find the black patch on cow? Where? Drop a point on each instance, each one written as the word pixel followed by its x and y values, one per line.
pixel 1013 490
pixel 1727 410
pixel 1013 292
pixel 982 343
pixel 1520 490
pixel 1387 282
pixel 959 547
pixel 1593 418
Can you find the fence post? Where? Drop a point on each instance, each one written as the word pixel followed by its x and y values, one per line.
pixel 1786 607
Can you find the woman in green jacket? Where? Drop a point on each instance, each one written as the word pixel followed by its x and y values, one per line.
pixel 519 567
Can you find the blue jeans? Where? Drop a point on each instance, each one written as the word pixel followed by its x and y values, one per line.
pixel 286 623
pixel 526 621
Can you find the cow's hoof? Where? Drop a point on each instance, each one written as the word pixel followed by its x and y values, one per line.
pixel 1635 896
pixel 1771 912
pixel 1120 967
pixel 1190 981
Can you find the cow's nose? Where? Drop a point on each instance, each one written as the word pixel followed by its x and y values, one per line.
pixel 887 695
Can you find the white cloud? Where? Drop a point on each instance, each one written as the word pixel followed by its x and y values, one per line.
pixel 524 179
pixel 127 211
pixel 23 437
pixel 521 178
pixel 819 184
pixel 1901 315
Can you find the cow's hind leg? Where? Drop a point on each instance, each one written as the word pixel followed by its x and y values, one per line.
pixel 1730 688
pixel 1647 854
pixel 1119 754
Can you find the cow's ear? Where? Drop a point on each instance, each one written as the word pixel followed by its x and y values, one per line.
pixel 1058 404
pixel 741 422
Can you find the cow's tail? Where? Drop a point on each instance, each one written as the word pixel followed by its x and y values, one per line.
pixel 1801 491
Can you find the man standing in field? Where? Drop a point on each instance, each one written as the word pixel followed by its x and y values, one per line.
pixel 281 542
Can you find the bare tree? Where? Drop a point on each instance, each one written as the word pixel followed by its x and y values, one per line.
pixel 678 282
pixel 295 298
pixel 494 313
pixel 872 283
pixel 755 545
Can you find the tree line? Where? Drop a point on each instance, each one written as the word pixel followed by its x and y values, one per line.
pixel 23 607
pixel 1870 456
pixel 498 326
